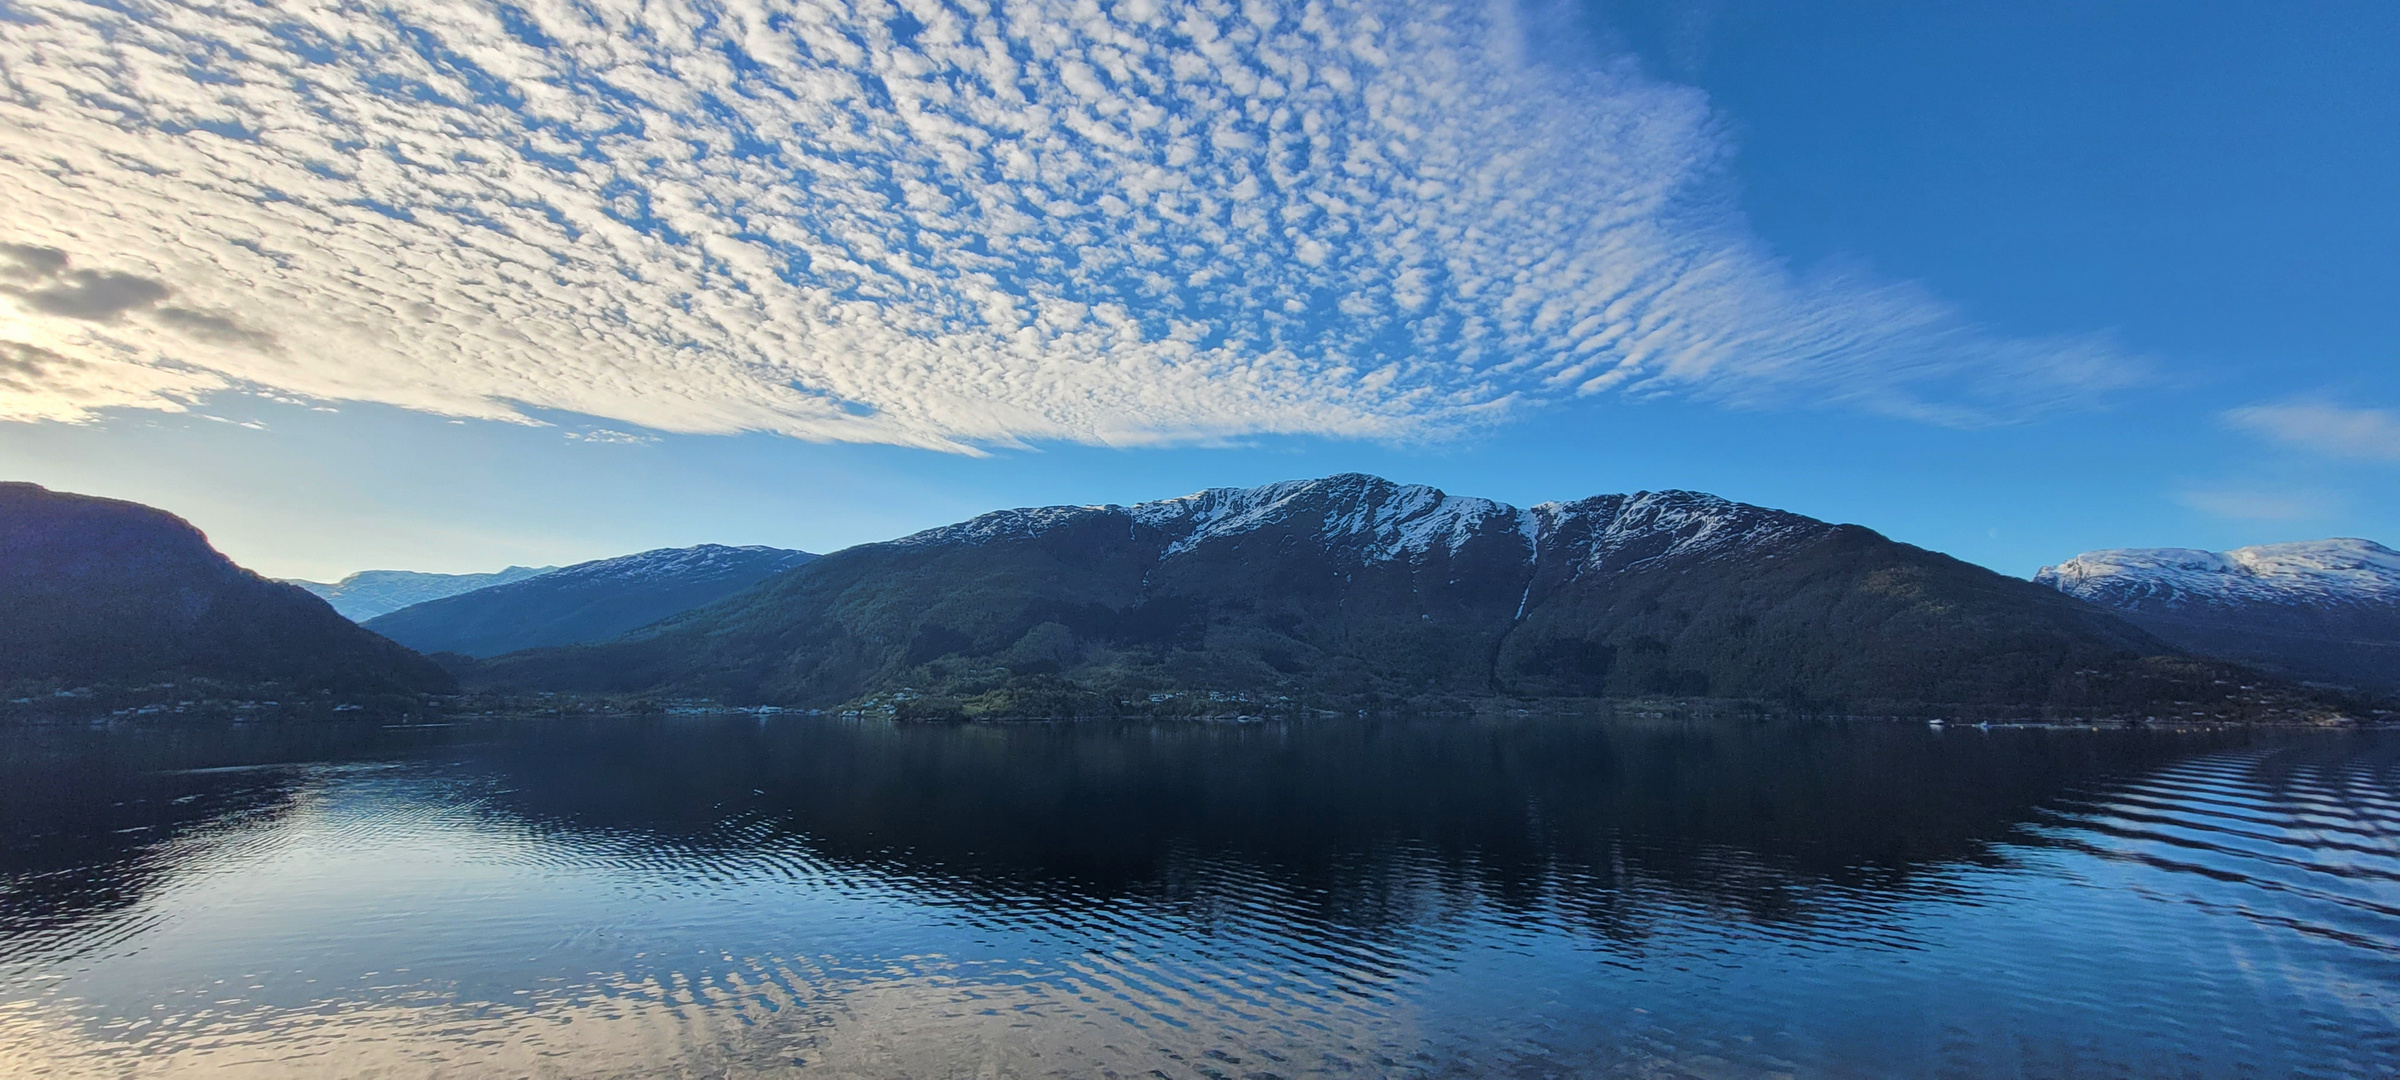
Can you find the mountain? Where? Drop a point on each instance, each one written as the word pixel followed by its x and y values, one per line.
pixel 1353 588
pixel 102 591
pixel 369 593
pixel 2324 610
pixel 590 601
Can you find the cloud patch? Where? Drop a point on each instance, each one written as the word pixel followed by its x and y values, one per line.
pixel 944 225
pixel 609 436
pixel 215 329
pixel 24 262
pixel 41 384
pixel 41 283
pixel 96 295
pixel 2325 428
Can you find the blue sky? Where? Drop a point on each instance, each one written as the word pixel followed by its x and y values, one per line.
pixel 469 285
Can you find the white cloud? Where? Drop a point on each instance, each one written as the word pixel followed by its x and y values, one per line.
pixel 606 435
pixel 2334 430
pixel 912 222
pixel 45 384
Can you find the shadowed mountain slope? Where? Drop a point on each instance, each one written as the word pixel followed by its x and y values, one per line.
pixel 1356 586
pixel 369 593
pixel 98 590
pixel 590 601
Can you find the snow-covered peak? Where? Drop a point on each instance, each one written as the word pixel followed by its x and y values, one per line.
pixel 1395 518
pixel 1391 519
pixel 1017 524
pixel 2309 573
pixel 1386 520
pixel 1652 525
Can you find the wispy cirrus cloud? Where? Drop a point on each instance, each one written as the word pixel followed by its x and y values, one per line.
pixel 2325 428
pixel 924 223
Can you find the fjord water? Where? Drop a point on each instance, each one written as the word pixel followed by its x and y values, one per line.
pixel 1538 897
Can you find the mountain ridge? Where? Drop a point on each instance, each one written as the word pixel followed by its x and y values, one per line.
pixel 1357 587
pixel 2318 610
pixel 369 593
pixel 2336 570
pixel 588 601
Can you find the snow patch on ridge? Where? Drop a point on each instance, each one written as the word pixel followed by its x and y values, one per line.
pixel 700 561
pixel 1392 520
pixel 1699 525
pixel 1023 524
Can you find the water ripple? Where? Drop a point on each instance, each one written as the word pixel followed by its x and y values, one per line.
pixel 1671 901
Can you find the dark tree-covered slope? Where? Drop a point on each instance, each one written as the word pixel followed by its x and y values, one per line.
pixel 97 590
pixel 1353 585
pixel 591 601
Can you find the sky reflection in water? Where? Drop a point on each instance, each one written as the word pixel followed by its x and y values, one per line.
pixel 718 895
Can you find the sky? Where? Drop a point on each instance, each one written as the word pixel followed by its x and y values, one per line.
pixel 452 285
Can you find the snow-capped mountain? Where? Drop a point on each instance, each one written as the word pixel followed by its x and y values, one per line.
pixel 369 593
pixel 589 601
pixel 2311 572
pixel 1361 588
pixel 1382 521
pixel 2320 609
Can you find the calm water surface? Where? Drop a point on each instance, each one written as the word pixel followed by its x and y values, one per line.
pixel 730 897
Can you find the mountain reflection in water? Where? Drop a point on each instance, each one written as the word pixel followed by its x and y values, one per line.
pixel 1528 897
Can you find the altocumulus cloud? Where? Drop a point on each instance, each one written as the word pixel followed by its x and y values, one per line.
pixel 946 225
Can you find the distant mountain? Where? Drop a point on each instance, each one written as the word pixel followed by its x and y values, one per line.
pixel 2326 610
pixel 369 593
pixel 97 590
pixel 590 601
pixel 1356 588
